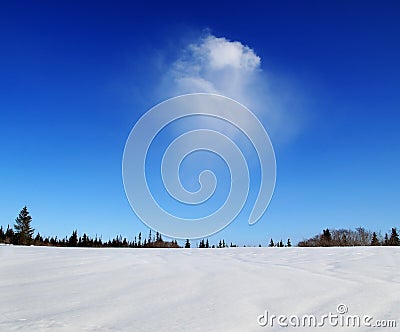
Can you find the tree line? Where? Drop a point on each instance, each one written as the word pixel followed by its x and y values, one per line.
pixel 23 234
pixel 279 244
pixel 348 238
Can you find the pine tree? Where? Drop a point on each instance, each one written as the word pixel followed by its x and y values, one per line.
pixel 53 241
pixel 23 229
pixel 394 238
pixel 187 244
pixel 207 244
pixel 85 240
pixel 386 240
pixel 326 238
pixel 375 241
pixel 271 243
pixel 289 244
pixel 9 234
pixel 281 244
pixel 38 240
pixel 73 239
pixel 2 235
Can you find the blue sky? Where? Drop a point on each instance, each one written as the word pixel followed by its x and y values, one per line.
pixel 74 79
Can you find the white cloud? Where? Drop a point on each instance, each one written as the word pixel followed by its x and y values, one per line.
pixel 230 68
pixel 215 65
pixel 220 53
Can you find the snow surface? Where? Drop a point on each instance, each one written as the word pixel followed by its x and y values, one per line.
pixel 76 289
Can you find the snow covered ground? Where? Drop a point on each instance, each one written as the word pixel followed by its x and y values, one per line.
pixel 74 289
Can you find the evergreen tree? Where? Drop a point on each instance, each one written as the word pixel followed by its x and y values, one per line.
pixel 23 229
pixel 140 240
pixel 394 238
pixel 149 241
pixel 53 241
pixel 271 243
pixel 326 237
pixel 281 244
pixel 85 240
pixel 2 235
pixel 73 239
pixel 38 239
pixel 207 244
pixel 289 244
pixel 386 240
pixel 9 235
pixel 187 244
pixel 375 241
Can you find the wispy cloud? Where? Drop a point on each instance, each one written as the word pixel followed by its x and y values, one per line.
pixel 233 69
